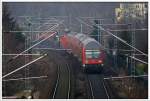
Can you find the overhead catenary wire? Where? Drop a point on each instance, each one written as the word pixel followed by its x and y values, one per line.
pixel 25 31
pixel 59 49
pixel 39 41
pixel 138 54
pixel 42 18
pixel 118 49
pixel 113 24
pixel 95 18
pixel 43 24
pixel 51 29
pixel 120 30
pixel 113 36
pixel 33 45
pixel 138 60
pixel 46 23
pixel 133 57
pixel 23 66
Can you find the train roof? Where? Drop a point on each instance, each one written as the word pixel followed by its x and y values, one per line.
pixel 87 41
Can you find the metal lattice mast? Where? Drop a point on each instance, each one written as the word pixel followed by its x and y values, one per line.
pixel 26 57
pixel 81 28
pixel 98 32
pixel 115 48
pixel 133 44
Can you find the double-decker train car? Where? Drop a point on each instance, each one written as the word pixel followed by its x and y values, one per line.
pixel 85 48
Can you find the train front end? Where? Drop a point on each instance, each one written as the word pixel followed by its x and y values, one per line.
pixel 92 55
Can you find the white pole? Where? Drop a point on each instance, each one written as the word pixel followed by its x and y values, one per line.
pixel 138 59
pixel 24 66
pixel 25 78
pixel 34 45
pixel 20 54
pixel 122 77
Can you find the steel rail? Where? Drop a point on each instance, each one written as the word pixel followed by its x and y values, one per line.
pixel 105 90
pixel 69 81
pixel 91 88
pixel 58 81
pixel 56 86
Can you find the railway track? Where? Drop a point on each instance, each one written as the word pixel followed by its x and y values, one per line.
pixel 97 87
pixel 63 83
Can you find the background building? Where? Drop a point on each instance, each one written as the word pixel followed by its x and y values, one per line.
pixel 135 15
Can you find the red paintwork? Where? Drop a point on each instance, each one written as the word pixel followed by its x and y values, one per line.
pixel 72 43
pixel 83 56
pixel 63 41
pixel 94 61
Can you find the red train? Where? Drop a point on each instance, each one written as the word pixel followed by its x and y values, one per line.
pixel 86 49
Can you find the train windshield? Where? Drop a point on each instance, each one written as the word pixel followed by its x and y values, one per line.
pixel 92 54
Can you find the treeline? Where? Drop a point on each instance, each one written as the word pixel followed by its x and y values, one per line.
pixel 11 43
pixel 10 24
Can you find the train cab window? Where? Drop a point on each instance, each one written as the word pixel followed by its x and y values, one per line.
pixel 92 54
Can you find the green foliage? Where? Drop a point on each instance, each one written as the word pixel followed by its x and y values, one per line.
pixel 19 37
pixel 9 24
pixel 141 68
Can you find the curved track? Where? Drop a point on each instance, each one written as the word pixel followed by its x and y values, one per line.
pixel 63 83
pixel 97 87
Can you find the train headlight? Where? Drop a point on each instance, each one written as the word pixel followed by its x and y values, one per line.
pixel 86 61
pixel 99 61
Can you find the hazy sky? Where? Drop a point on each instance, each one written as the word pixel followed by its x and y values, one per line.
pixel 97 9
pixel 74 9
